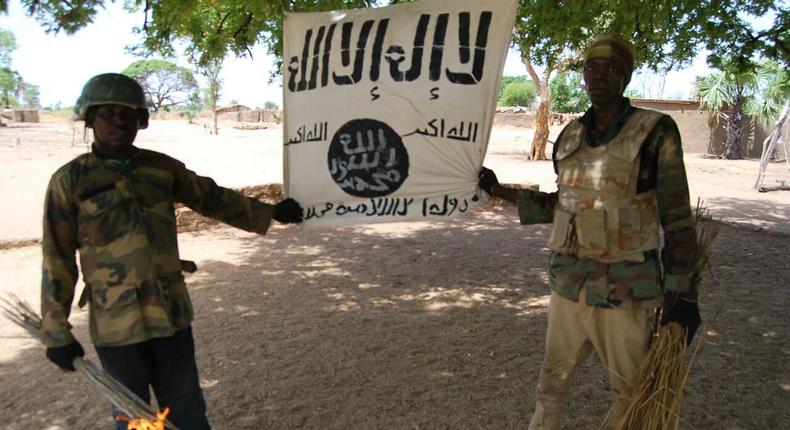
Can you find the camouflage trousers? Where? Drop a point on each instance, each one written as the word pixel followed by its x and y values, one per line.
pixel 619 336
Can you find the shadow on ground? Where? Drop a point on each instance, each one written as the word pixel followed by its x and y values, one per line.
pixel 437 326
pixel 751 213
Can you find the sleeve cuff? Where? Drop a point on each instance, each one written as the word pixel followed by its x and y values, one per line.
pixel 54 339
pixel 534 207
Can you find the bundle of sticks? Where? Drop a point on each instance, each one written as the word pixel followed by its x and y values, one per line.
pixel 23 315
pixel 652 399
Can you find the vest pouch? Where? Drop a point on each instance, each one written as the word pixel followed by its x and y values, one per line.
pixel 591 233
pixel 629 235
pixel 115 314
pixel 560 239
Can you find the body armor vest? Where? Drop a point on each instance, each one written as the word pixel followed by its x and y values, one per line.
pixel 600 215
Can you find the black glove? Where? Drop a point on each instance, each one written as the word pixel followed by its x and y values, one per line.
pixel 64 355
pixel 288 211
pixel 487 179
pixel 684 313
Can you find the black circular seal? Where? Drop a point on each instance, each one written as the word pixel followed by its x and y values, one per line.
pixel 367 158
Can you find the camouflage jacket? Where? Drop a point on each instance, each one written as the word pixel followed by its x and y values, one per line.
pixel 636 284
pixel 120 217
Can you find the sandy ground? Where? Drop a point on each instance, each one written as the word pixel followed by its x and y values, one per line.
pixel 396 326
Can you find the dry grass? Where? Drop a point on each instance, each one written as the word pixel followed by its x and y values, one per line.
pixel 652 401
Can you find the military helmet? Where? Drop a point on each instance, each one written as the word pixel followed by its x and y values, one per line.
pixel 112 88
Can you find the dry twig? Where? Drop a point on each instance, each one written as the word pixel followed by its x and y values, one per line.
pixel 23 315
pixel 652 399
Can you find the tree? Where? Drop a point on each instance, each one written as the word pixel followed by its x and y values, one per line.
pixel 165 84
pixel 567 93
pixel 633 93
pixel 193 105
pixel 210 28
pixel 7 47
pixel 9 78
pixel 667 34
pixel 211 71
pixel 734 95
pixel 30 96
pixel 11 85
pixel 270 105
pixel 518 94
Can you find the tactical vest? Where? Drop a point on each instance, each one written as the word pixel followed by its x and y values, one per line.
pixel 600 215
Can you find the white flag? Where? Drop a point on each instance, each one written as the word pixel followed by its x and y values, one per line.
pixel 388 111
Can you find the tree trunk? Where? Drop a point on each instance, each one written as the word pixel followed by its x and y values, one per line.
pixel 541 125
pixel 736 123
pixel 780 186
pixel 215 130
pixel 214 100
pixel 542 115
pixel 769 145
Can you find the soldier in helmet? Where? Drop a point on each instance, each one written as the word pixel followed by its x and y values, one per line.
pixel 620 175
pixel 115 206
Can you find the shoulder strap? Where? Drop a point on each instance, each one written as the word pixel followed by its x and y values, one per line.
pixel 570 139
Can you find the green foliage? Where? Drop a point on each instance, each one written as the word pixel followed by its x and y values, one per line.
pixel 567 93
pixel 11 82
pixel 509 80
pixel 270 105
pixel 68 16
pixel 7 46
pixel 210 28
pixel 733 93
pixel 166 85
pixel 774 93
pixel 11 85
pixel 633 93
pixel 518 94
pixel 193 105
pixel 30 96
pixel 666 34
pixel 762 92
pixel 211 71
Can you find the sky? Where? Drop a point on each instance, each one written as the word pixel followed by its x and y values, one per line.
pixel 61 64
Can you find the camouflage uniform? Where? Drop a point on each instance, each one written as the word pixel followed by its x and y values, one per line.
pixel 120 216
pixel 602 298
pixel 609 285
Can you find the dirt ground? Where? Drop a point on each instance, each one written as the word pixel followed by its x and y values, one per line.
pixel 418 325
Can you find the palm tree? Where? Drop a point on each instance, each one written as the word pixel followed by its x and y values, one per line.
pixel 734 95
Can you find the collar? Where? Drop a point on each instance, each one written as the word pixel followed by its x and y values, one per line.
pixel 588 118
pixel 125 163
pixel 96 153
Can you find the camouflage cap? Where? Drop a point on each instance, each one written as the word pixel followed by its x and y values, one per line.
pixel 614 47
pixel 111 88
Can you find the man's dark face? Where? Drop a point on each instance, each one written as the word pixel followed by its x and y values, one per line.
pixel 115 128
pixel 604 80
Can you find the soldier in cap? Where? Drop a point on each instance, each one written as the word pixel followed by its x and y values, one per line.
pixel 620 175
pixel 115 205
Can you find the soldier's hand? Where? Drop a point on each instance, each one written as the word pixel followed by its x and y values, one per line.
pixel 487 179
pixel 288 211
pixel 683 312
pixel 64 355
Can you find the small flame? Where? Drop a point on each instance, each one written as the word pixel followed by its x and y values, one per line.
pixel 144 424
